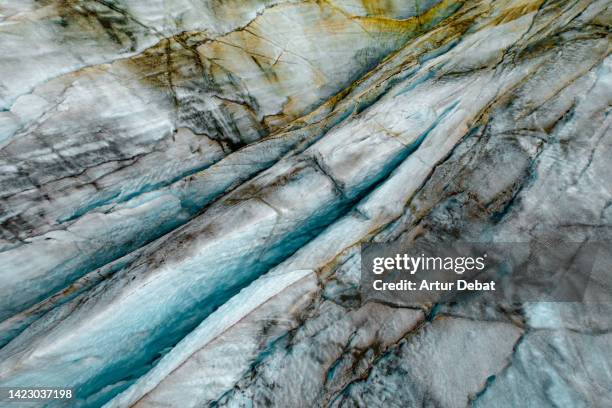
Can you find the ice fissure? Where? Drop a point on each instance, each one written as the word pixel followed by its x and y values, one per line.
pixel 185 188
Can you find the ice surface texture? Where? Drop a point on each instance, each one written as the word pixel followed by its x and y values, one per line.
pixel 185 186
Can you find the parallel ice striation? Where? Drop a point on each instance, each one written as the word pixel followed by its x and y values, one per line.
pixel 186 185
pixel 181 105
